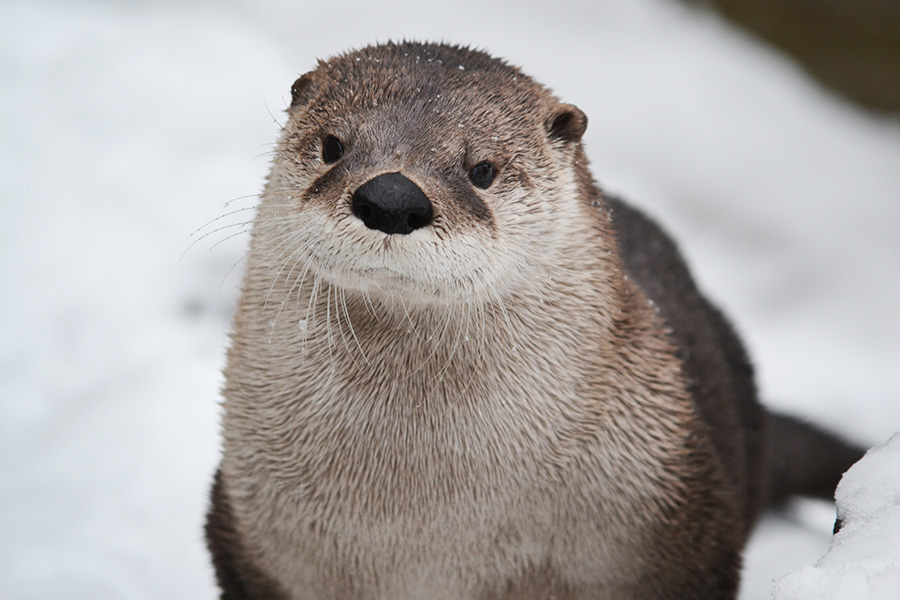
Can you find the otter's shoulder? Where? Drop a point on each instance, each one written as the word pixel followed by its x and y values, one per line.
pixel 650 256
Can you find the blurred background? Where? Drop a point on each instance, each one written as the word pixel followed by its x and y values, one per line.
pixel 134 137
pixel 851 46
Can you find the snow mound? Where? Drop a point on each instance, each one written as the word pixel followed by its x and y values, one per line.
pixel 864 558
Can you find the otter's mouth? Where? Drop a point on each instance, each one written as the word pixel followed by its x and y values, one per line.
pixel 387 281
pixel 414 270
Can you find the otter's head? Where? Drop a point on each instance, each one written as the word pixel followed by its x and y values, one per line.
pixel 431 172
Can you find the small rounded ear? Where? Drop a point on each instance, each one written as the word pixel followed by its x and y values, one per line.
pixel 567 123
pixel 303 90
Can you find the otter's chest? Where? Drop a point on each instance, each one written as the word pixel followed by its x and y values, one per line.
pixel 434 551
pixel 440 509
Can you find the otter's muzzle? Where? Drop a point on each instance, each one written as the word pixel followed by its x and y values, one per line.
pixel 393 204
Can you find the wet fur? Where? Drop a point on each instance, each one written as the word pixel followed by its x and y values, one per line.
pixel 528 399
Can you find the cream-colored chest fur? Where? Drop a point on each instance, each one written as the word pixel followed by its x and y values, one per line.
pixel 417 458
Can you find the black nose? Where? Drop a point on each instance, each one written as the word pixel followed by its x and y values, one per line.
pixel 393 204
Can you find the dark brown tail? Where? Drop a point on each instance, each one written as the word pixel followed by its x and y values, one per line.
pixel 805 460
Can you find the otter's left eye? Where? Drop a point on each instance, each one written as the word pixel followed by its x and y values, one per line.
pixel 482 174
pixel 332 149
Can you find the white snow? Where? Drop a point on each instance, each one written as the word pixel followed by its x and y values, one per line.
pixel 125 126
pixel 864 558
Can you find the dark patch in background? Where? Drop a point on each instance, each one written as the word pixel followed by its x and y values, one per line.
pixel 851 46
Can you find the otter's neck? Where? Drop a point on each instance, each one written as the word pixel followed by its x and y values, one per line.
pixel 319 336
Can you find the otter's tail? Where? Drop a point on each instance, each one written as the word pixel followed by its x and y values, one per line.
pixel 805 460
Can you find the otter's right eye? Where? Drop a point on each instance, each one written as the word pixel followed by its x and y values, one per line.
pixel 332 149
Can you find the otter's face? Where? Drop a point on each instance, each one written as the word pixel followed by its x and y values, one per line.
pixel 431 172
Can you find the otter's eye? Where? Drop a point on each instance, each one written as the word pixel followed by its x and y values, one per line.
pixel 332 149
pixel 482 174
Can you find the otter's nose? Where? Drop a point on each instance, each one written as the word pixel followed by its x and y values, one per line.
pixel 393 204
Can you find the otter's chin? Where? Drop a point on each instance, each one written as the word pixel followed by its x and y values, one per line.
pixel 384 283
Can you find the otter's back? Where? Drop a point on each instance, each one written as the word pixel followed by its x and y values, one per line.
pixel 719 373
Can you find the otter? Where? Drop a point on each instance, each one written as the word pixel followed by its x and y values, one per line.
pixel 459 370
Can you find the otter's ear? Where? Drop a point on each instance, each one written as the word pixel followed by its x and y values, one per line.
pixel 567 123
pixel 303 91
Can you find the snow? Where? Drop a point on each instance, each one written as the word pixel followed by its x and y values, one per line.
pixel 126 126
pixel 864 558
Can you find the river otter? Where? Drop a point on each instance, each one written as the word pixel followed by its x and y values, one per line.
pixel 460 371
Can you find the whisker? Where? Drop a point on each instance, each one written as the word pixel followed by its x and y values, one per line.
pixel 274 119
pixel 241 225
pixel 228 214
pixel 350 326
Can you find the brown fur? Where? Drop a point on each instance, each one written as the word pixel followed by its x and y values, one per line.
pixel 490 407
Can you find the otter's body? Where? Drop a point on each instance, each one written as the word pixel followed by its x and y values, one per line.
pixel 459 372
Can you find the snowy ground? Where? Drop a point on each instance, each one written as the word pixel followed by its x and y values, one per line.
pixel 125 126
pixel 864 558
